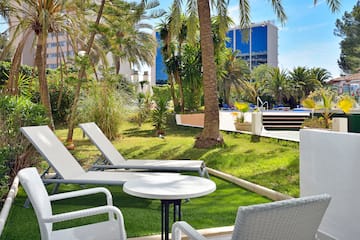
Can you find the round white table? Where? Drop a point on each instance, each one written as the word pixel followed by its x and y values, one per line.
pixel 170 190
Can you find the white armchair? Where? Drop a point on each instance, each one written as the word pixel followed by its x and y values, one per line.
pixel 111 229
pixel 293 219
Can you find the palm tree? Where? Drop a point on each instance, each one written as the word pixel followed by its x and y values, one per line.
pixel 298 78
pixel 125 33
pixel 35 18
pixel 321 74
pixel 81 76
pixel 191 73
pixel 167 52
pixel 277 86
pixel 173 35
pixel 236 73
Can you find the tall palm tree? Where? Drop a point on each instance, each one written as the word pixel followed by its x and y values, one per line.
pixel 82 75
pixel 126 34
pixel 210 135
pixel 167 52
pixel 35 18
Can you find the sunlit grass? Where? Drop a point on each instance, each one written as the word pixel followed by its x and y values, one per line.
pixel 268 162
pixel 142 216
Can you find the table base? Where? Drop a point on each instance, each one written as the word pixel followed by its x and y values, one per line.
pixel 165 206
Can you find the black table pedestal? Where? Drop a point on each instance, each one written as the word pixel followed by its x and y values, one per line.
pixel 165 207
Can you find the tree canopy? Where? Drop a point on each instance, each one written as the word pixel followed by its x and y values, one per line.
pixel 348 28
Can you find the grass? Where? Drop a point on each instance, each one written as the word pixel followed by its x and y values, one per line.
pixel 268 162
pixel 142 216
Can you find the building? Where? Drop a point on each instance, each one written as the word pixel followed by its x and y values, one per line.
pixel 348 84
pixel 261 47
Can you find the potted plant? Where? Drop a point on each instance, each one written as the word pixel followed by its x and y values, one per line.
pixel 239 122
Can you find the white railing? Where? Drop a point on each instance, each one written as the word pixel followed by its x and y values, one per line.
pixel 8 202
pixel 261 105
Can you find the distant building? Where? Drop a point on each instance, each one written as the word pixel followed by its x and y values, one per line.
pixel 261 47
pixel 55 48
pixel 349 84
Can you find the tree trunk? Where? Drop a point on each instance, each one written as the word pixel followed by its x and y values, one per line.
pixel 210 136
pixel 181 91
pixel 227 89
pixel 81 76
pixel 172 92
pixel 117 64
pixel 12 85
pixel 40 62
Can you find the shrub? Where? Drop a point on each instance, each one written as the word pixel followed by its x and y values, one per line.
pixel 143 108
pixel 15 151
pixel 104 105
pixel 60 110
pixel 159 115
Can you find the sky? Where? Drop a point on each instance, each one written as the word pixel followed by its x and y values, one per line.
pixel 307 39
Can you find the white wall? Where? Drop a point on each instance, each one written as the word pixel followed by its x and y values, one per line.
pixel 330 163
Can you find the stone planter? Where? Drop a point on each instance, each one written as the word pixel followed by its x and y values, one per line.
pixel 244 126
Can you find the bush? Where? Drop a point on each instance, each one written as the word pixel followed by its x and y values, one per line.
pixel 105 106
pixel 15 151
pixel 60 112
pixel 159 115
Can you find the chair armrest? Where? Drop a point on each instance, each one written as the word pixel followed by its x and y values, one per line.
pixel 184 227
pixel 83 192
pixel 126 166
pixel 111 210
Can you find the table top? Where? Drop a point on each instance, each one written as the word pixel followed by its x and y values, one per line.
pixel 169 187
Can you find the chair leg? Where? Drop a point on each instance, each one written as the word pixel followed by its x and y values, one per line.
pixel 56 188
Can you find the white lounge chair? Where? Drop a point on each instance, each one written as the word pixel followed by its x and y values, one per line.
pixel 66 167
pixel 293 219
pixel 110 229
pixel 116 160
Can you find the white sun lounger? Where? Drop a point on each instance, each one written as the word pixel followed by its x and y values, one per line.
pixel 66 167
pixel 116 160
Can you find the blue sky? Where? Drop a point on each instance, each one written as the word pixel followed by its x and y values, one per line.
pixel 307 38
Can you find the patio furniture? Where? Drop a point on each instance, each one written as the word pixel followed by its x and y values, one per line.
pixel 110 229
pixel 293 219
pixel 66 167
pixel 116 160
pixel 171 191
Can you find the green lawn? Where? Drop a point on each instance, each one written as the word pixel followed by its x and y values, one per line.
pixel 269 162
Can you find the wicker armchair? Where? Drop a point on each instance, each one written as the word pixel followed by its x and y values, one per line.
pixel 293 219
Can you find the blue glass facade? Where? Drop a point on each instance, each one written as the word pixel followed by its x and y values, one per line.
pixel 160 71
pixel 259 41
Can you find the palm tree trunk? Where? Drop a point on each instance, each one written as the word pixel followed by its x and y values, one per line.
pixel 172 92
pixel 181 91
pixel 12 85
pixel 117 64
pixel 40 62
pixel 81 76
pixel 210 136
pixel 227 88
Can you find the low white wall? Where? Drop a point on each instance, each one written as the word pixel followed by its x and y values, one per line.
pixel 330 163
pixel 227 119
